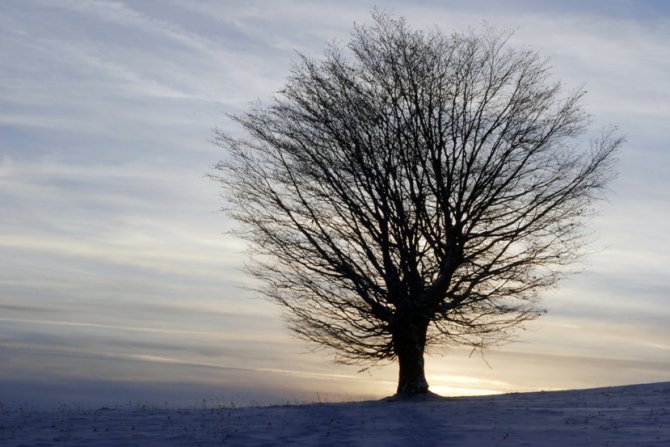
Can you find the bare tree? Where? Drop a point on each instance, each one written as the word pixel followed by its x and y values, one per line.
pixel 414 189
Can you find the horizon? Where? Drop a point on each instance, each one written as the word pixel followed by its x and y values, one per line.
pixel 118 281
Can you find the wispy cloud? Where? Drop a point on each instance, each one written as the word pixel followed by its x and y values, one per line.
pixel 119 13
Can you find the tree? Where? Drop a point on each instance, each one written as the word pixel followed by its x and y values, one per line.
pixel 414 189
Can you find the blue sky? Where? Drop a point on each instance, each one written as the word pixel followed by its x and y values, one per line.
pixel 117 282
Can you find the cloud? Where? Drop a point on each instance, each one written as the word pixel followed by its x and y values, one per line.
pixel 121 14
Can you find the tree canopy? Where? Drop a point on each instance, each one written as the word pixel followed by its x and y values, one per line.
pixel 414 189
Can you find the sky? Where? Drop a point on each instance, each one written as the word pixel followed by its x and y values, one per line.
pixel 119 283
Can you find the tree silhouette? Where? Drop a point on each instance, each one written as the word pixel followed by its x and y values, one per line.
pixel 414 189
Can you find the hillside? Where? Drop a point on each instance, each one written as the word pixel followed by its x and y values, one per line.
pixel 636 415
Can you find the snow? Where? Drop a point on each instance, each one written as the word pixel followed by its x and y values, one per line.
pixel 636 415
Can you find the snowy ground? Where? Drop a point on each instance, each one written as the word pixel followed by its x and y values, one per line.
pixel 636 416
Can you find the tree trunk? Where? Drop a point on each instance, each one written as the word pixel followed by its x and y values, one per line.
pixel 409 343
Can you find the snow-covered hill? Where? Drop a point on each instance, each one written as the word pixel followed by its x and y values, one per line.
pixel 631 416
